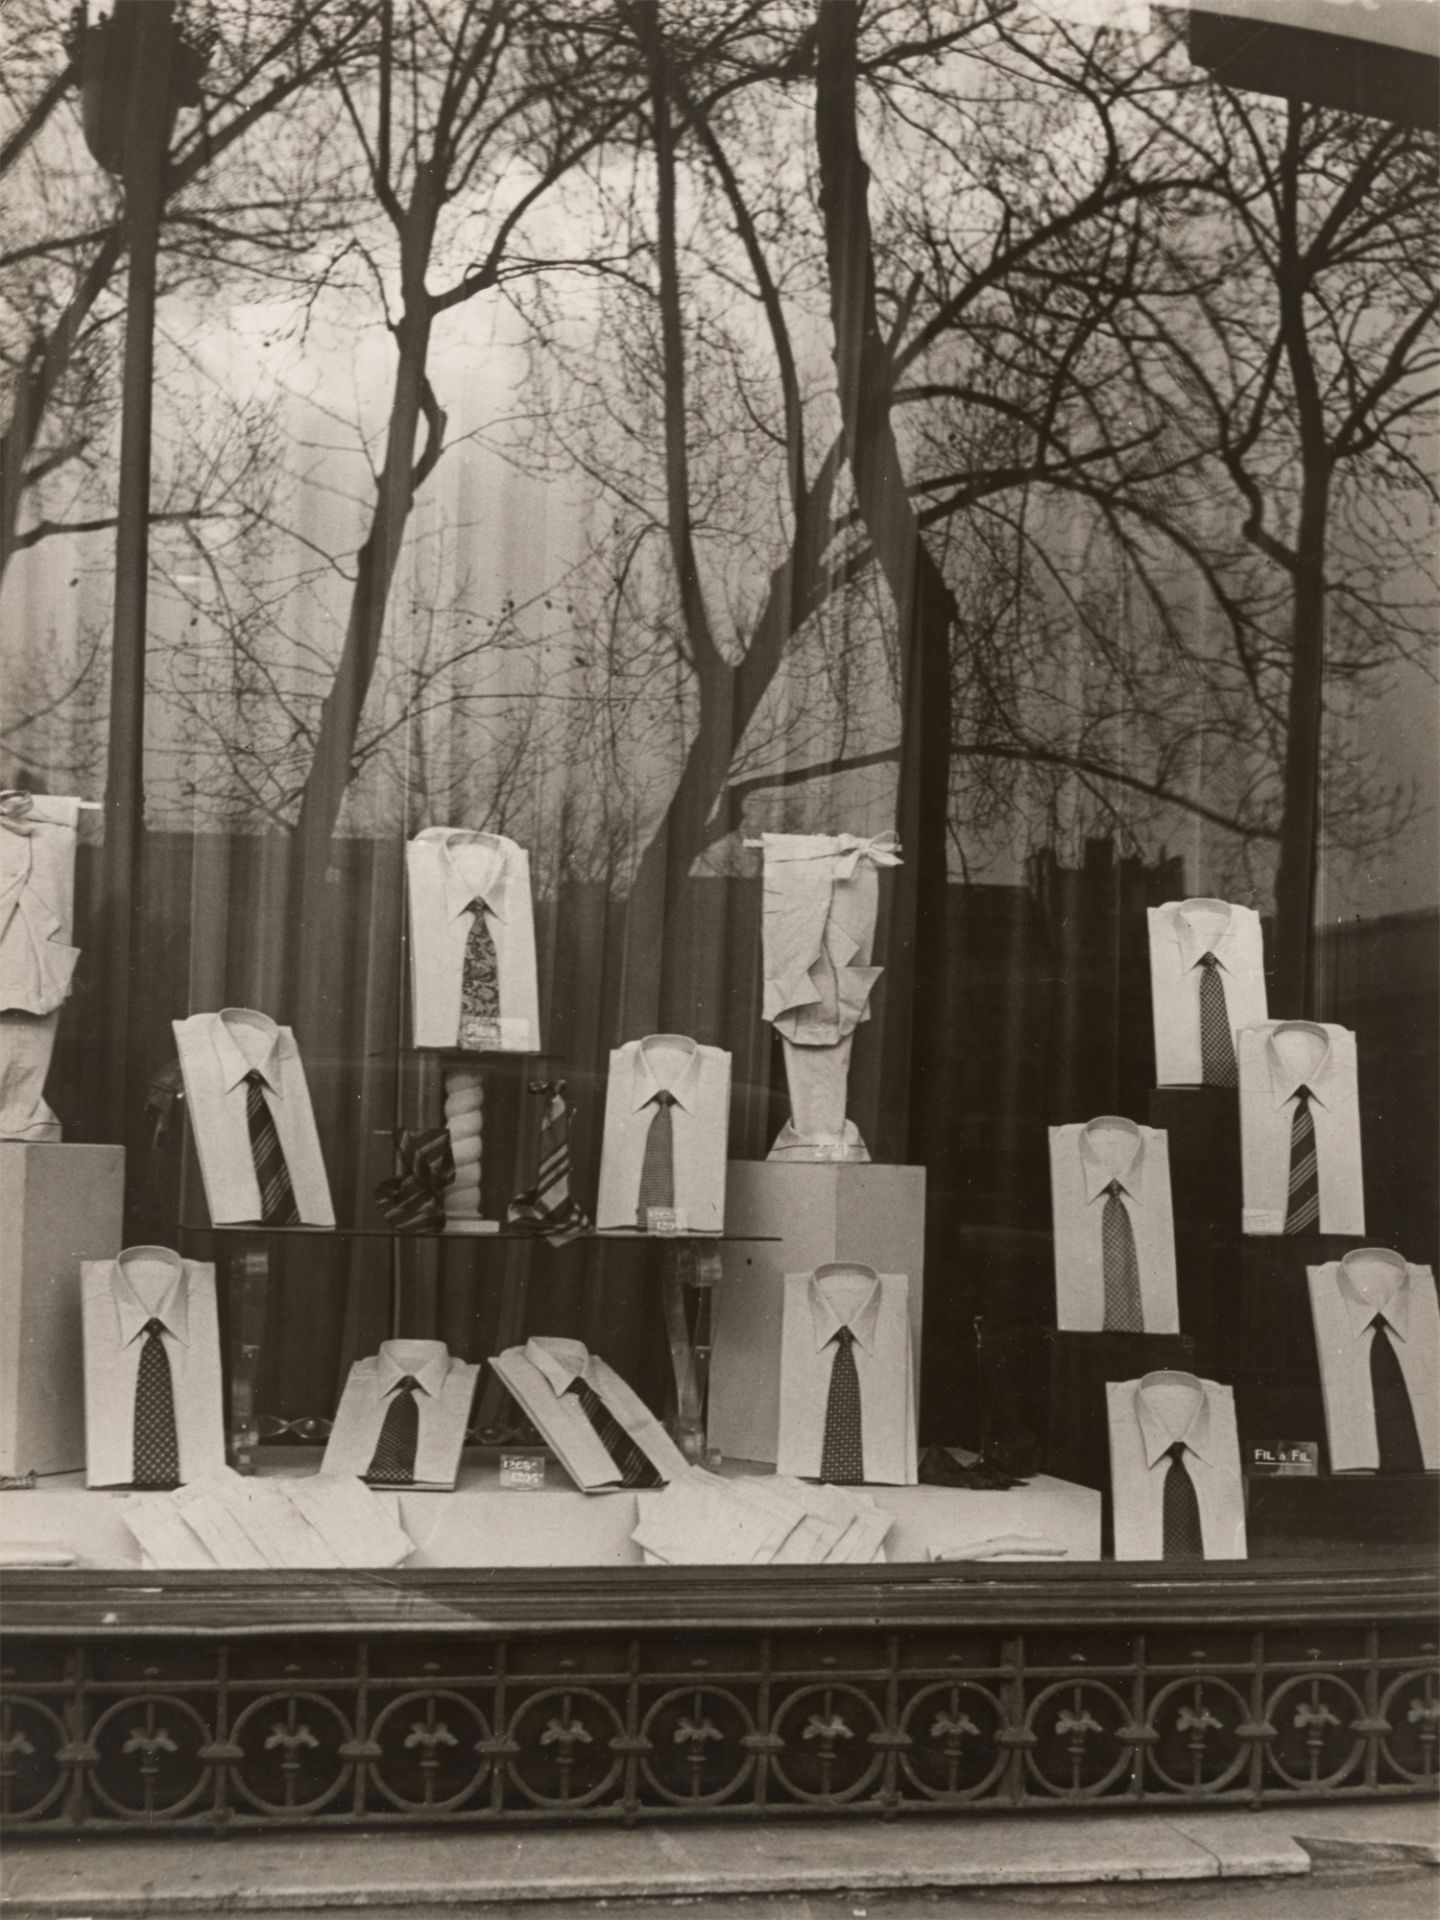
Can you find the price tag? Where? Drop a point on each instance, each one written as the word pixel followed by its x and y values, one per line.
pixel 665 1220
pixel 522 1472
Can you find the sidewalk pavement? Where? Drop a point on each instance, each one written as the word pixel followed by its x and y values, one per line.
pixel 344 1871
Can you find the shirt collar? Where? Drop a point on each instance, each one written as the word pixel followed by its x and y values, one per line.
pixel 644 1086
pixel 1100 1169
pixel 472 865
pixel 234 1065
pixel 1283 1081
pixel 1192 938
pixel 561 1361
pixel 427 1360
pixel 827 1318
pixel 173 1308
pixel 1360 1311
pixel 1156 1436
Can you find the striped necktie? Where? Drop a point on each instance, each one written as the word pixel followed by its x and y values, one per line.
pixel 1180 1522
pixel 1121 1266
pixel 549 1204
pixel 842 1450
pixel 1217 1042
pixel 393 1463
pixel 155 1455
pixel 657 1170
pixel 634 1467
pixel 1396 1433
pixel 480 984
pixel 1302 1207
pixel 277 1197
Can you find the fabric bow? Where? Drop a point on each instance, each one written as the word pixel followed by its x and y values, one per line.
pixel 414 1200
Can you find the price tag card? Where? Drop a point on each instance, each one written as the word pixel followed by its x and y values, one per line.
pixel 522 1471
pixel 665 1220
pixel 1295 1459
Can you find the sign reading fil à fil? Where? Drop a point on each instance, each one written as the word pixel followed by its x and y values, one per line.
pixel 1296 1459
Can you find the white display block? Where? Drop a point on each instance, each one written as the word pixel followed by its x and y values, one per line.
pixel 59 1205
pixel 483 1525
pixel 822 1212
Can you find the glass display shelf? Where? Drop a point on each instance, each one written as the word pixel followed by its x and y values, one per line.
pixel 594 1235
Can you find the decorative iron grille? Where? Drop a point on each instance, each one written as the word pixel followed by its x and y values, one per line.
pixel 479 1722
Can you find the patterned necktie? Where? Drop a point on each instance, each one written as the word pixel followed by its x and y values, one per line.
pixel 1395 1429
pixel 480 984
pixel 634 1467
pixel 277 1197
pixel 1123 1312
pixel 155 1454
pixel 1182 1538
pixel 393 1464
pixel 1217 1042
pixel 657 1171
pixel 842 1452
pixel 549 1204
pixel 1302 1210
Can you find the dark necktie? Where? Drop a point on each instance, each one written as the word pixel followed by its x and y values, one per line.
pixel 1302 1207
pixel 480 984
pixel 634 1467
pixel 657 1170
pixel 842 1452
pixel 277 1197
pixel 1121 1266
pixel 393 1464
pixel 1395 1429
pixel 1182 1538
pixel 1217 1042
pixel 155 1454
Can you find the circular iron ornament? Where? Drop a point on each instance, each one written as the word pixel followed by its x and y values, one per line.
pixel 565 1734
pixel 696 1758
pixel 1315 1743
pixel 147 1757
pixel 828 1755
pixel 291 1760
pixel 429 1740
pixel 32 1774
pixel 1411 1705
pixel 1077 1725
pixel 952 1727
pixel 1197 1746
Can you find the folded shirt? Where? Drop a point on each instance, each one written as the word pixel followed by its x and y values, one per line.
pixel 329 1520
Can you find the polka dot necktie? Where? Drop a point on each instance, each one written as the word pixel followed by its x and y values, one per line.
pixel 657 1170
pixel 1396 1433
pixel 155 1455
pixel 634 1467
pixel 480 983
pixel 1120 1266
pixel 842 1451
pixel 393 1464
pixel 1302 1208
pixel 277 1196
pixel 1180 1524
pixel 1217 1042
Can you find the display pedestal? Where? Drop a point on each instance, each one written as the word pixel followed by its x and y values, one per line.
pixel 60 1205
pixel 1299 1516
pixel 1203 1128
pixel 873 1215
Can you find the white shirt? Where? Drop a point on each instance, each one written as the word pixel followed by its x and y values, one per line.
pixel 1083 1161
pixel 1146 1417
pixel 1275 1059
pixel 1180 933
pixel 1345 1296
pixel 445 1388
pixel 37 892
pixel 117 1298
pixel 819 925
pixel 876 1308
pixel 539 1376
pixel 217 1050
pixel 699 1078
pixel 447 869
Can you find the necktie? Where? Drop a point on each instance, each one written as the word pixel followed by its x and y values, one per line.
pixel 155 1454
pixel 1182 1537
pixel 393 1464
pixel 480 984
pixel 842 1451
pixel 549 1204
pixel 657 1171
pixel 1123 1313
pixel 1395 1429
pixel 1302 1209
pixel 1217 1042
pixel 277 1196
pixel 634 1467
